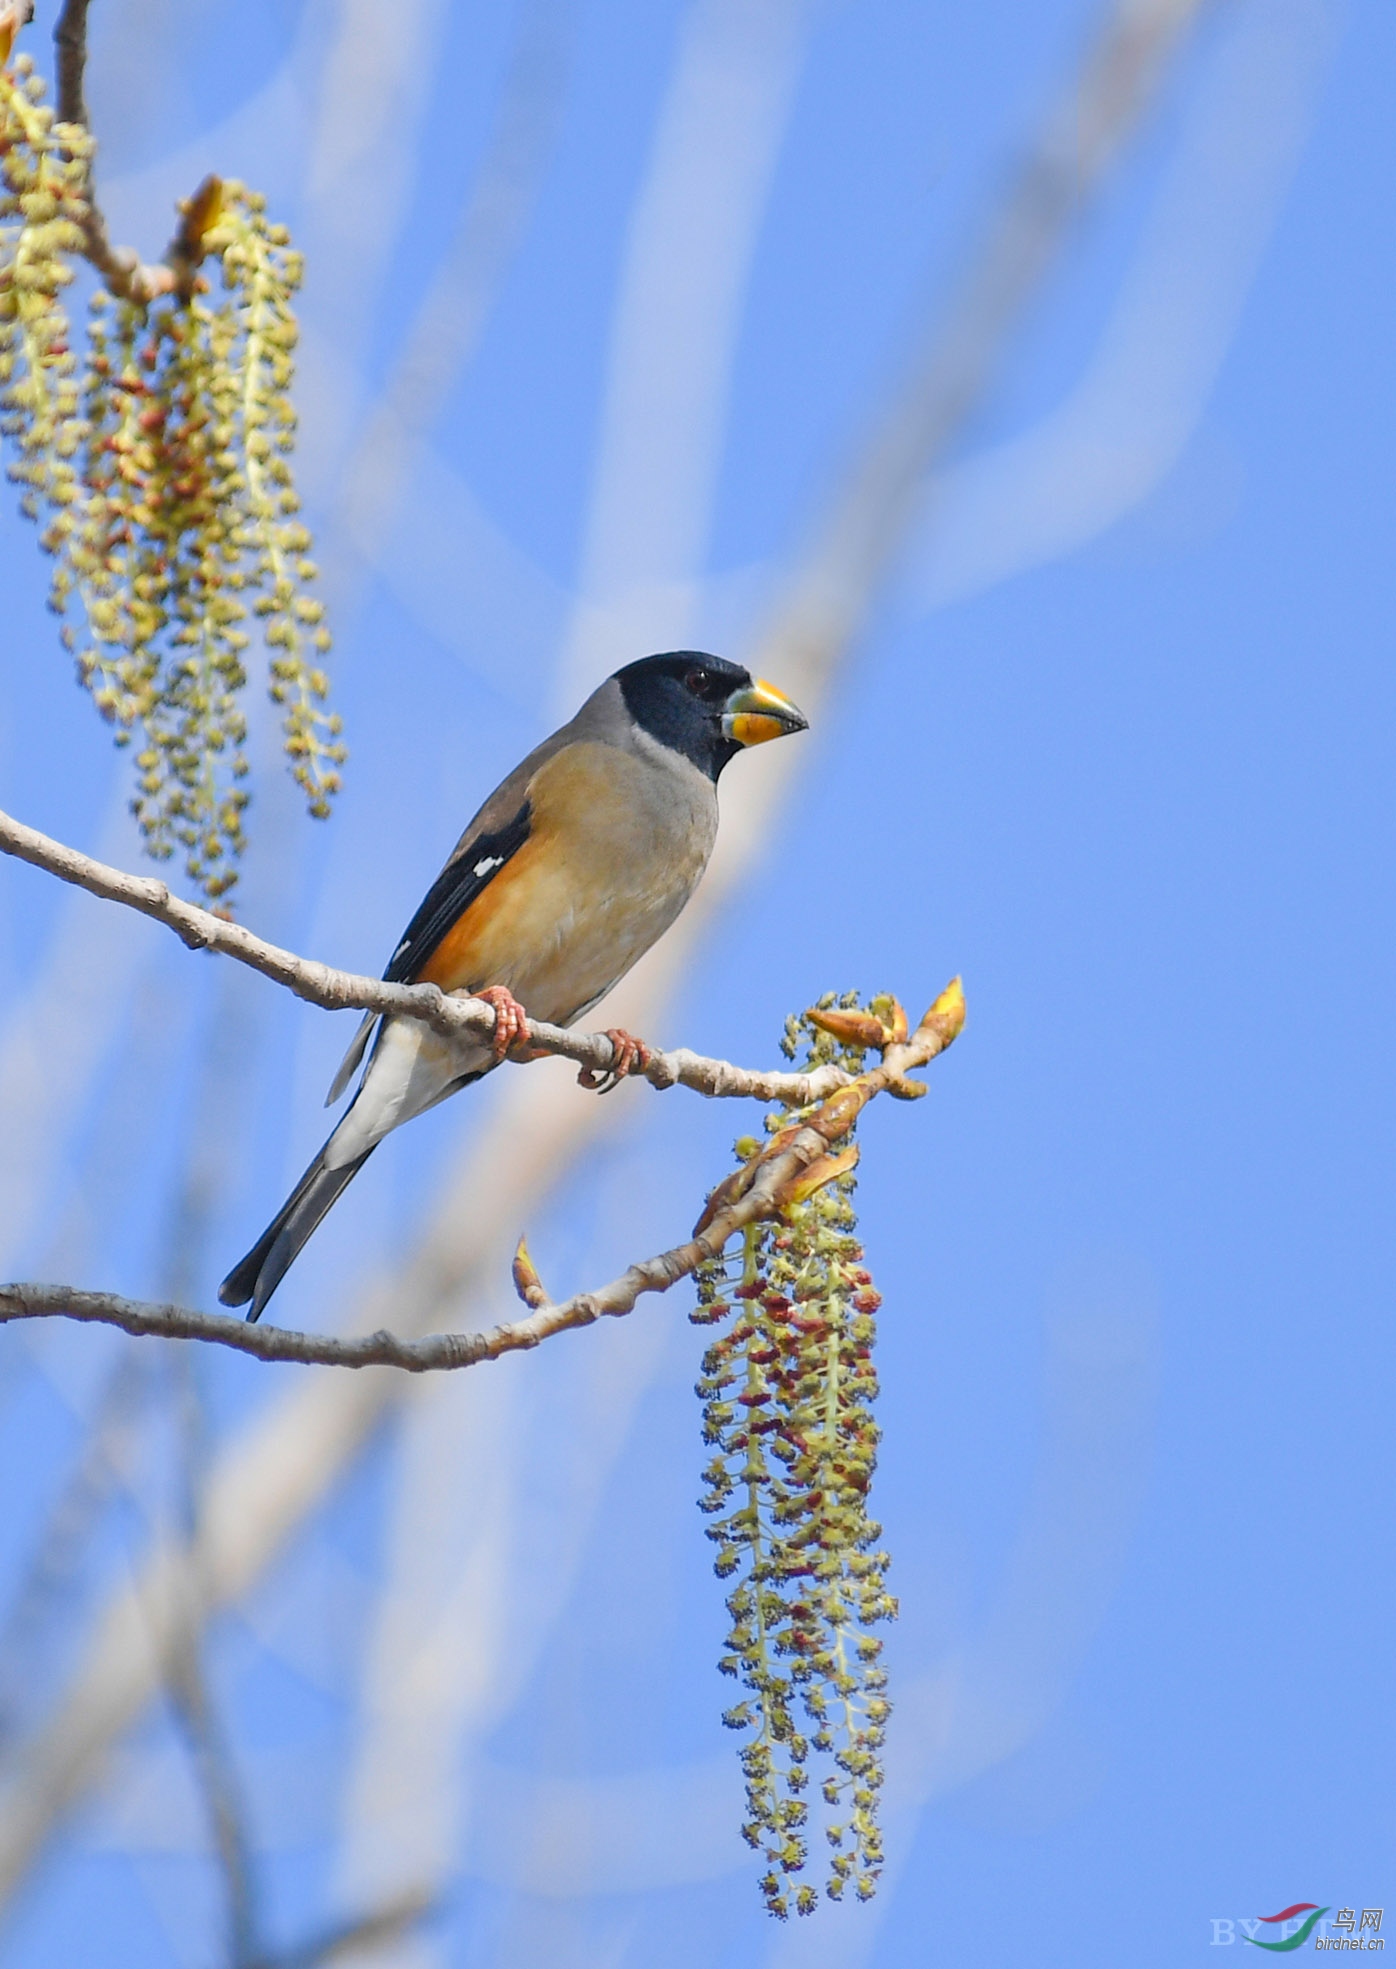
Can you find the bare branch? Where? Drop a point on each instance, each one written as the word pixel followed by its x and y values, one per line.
pixel 121 268
pixel 123 272
pixel 452 1014
pixel 70 45
pixel 268 1343
pixel 757 1192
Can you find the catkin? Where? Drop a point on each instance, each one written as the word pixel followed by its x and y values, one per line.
pixel 787 1388
pixel 159 469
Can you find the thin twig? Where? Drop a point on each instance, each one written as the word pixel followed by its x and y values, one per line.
pixel 787 1158
pixel 453 1015
pixel 70 44
pixel 123 271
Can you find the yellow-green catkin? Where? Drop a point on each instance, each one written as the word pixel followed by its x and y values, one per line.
pixel 150 551
pixel 261 272
pixel 160 471
pixel 43 206
pixel 788 1387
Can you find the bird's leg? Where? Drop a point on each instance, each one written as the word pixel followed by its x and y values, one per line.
pixel 629 1055
pixel 510 1020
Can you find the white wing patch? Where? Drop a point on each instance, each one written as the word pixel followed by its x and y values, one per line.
pixel 484 867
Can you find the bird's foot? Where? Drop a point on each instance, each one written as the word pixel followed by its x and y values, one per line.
pixel 629 1055
pixel 510 1020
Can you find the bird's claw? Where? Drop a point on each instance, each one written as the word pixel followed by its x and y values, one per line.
pixel 510 1020
pixel 629 1055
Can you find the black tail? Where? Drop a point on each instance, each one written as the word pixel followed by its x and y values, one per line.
pixel 257 1276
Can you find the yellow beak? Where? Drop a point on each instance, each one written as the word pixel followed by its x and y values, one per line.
pixel 761 712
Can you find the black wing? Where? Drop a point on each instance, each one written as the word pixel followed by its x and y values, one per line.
pixel 470 870
pixel 473 866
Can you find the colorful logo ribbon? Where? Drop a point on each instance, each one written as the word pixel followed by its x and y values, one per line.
pixel 1300 1936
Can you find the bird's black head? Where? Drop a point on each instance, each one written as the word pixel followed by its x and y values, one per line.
pixel 704 707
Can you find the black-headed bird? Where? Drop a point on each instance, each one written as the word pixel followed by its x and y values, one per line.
pixel 569 872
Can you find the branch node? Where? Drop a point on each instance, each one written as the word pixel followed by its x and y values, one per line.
pixel 662 1070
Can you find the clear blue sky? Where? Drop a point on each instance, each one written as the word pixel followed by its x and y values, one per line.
pixel 1122 759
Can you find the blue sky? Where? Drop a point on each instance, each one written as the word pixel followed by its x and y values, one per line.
pixel 1115 745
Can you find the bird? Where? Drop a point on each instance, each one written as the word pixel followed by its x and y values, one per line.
pixel 576 864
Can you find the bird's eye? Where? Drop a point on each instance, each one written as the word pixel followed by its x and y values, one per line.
pixel 699 682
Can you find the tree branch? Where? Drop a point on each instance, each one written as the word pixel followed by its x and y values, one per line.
pixel 121 267
pixel 70 48
pixel 453 1015
pixel 756 1191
